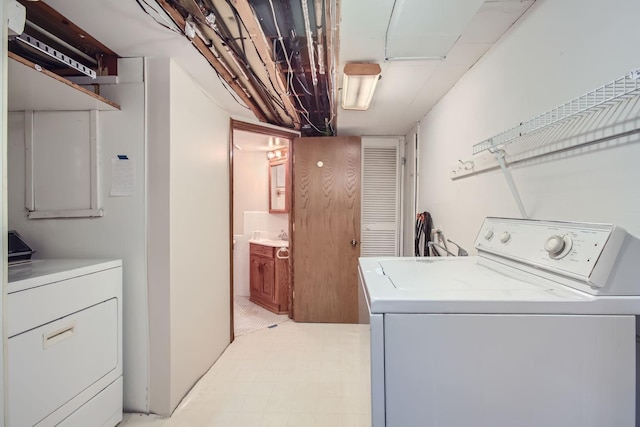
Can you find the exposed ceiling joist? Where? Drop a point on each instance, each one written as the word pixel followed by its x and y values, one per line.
pixel 264 50
pixel 272 53
pixel 222 71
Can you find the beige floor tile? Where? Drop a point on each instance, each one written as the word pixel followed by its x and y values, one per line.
pixel 248 420
pixel 294 375
pixel 255 404
pixel 279 419
pixel 356 420
pixel 303 405
pixel 330 405
pixel 278 404
pixel 302 420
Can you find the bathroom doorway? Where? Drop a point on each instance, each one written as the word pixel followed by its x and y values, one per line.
pixel 260 165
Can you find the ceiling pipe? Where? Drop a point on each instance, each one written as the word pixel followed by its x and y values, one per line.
pixel 307 29
pixel 320 34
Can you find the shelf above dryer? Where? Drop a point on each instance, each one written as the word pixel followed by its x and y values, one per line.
pixel 33 88
pixel 602 97
pixel 607 113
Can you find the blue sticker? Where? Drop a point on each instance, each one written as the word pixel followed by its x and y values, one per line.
pixel 122 157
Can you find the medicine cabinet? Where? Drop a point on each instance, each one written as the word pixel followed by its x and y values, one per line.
pixel 278 186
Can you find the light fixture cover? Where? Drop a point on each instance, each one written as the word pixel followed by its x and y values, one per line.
pixel 358 85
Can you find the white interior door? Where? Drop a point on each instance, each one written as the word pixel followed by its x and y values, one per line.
pixel 380 196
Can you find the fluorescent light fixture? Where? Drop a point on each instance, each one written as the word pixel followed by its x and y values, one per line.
pixel 358 85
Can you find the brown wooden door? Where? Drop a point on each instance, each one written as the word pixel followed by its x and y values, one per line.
pixel 326 219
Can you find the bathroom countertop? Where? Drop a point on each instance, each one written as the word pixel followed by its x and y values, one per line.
pixel 270 242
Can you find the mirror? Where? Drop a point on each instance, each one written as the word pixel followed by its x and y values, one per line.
pixel 278 193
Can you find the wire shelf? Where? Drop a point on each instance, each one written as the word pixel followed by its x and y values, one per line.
pixel 602 97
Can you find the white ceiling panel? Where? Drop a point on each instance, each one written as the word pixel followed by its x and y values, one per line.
pixel 493 19
pixel 364 17
pixel 467 54
pixel 440 83
pixel 427 28
pixel 414 47
pixel 403 79
pixel 363 49
pixel 409 89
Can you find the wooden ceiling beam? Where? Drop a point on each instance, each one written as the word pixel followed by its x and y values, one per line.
pixel 215 63
pixel 264 51
pixel 224 41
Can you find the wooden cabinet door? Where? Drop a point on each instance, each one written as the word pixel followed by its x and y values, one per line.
pixel 255 276
pixel 268 280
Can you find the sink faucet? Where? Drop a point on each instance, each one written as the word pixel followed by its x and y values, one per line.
pixel 283 235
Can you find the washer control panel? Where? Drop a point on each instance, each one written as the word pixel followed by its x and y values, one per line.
pixel 565 247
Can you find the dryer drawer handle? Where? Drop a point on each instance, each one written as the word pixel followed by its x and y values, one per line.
pixel 54 337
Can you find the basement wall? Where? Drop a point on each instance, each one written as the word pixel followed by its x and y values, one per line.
pixel 559 50
pixel 188 223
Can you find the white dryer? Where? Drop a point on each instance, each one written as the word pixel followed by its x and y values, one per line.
pixel 64 347
pixel 537 330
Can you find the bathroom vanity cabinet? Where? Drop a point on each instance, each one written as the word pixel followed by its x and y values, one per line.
pixel 269 277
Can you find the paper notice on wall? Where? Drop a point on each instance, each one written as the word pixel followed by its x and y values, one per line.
pixel 123 177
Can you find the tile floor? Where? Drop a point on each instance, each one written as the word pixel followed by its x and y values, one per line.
pixel 295 374
pixel 250 317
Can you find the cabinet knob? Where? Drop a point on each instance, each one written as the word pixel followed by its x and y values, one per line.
pixel 354 242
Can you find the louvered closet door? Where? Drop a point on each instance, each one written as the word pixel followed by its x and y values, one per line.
pixel 380 197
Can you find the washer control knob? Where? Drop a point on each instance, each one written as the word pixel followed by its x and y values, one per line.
pixel 488 235
pixel 558 246
pixel 505 237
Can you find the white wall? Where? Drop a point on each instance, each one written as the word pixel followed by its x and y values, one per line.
pixel 119 234
pixel 188 233
pixel 251 185
pixel 557 51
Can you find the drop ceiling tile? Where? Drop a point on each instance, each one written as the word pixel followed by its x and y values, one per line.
pixel 364 17
pixel 427 28
pixel 493 19
pixel 442 80
pixel 433 46
pixel 362 49
pixel 466 54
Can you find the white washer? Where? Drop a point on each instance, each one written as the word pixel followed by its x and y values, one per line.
pixel 537 330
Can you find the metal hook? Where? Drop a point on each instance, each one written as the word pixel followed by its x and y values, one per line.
pixel 468 165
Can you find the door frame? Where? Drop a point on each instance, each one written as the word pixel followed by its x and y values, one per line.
pixel 262 129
